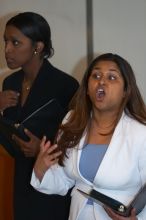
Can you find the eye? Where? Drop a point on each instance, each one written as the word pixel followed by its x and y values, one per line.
pixel 15 42
pixel 112 77
pixel 96 76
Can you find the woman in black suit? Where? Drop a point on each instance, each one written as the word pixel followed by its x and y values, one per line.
pixel 28 45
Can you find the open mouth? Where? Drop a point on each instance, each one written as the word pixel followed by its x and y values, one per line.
pixel 100 93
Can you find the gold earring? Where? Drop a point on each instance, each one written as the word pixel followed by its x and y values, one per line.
pixel 35 52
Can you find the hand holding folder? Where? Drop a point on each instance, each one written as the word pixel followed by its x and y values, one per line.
pixel 43 114
pixel 138 202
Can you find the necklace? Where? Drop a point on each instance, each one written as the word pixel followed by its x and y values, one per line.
pixel 27 88
pixel 27 85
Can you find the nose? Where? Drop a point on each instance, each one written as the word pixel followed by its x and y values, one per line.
pixel 102 80
pixel 8 47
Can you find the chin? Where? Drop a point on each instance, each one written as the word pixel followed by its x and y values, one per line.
pixel 12 66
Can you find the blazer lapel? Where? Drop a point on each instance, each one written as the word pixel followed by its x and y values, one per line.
pixel 111 155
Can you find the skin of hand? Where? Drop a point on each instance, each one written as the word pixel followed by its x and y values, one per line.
pixel 8 98
pixel 30 148
pixel 115 216
pixel 47 157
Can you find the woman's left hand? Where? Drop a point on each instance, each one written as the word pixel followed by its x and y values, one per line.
pixel 30 148
pixel 47 157
pixel 115 216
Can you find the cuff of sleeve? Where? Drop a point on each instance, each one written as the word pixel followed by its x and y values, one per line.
pixel 35 181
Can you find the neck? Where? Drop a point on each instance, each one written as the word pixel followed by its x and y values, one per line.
pixel 31 71
pixel 104 120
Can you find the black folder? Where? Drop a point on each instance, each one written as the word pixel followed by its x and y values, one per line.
pixel 42 114
pixel 138 202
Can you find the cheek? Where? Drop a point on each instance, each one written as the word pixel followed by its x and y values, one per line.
pixel 91 94
pixel 91 87
pixel 122 92
pixel 119 95
pixel 90 91
pixel 24 55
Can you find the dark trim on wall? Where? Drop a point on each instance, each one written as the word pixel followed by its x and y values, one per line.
pixel 89 27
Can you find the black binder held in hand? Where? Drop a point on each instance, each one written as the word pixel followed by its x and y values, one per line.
pixel 138 202
pixel 41 115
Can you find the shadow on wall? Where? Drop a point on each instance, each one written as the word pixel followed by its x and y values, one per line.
pixel 4 71
pixel 79 69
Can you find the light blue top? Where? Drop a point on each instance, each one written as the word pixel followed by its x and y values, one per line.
pixel 91 157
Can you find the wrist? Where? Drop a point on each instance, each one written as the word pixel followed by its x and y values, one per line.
pixel 39 173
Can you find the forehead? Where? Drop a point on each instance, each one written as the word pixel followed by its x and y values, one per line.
pixel 106 65
pixel 13 32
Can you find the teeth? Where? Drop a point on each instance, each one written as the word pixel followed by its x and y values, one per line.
pixel 100 90
pixel 100 93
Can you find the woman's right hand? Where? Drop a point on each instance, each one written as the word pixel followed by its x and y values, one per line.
pixel 115 216
pixel 47 157
pixel 8 98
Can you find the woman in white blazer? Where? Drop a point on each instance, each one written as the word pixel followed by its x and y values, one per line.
pixel 101 144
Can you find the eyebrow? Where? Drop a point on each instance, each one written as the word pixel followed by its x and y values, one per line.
pixel 112 69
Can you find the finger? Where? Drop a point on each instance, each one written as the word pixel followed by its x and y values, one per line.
pixel 110 212
pixel 28 133
pixel 44 145
pixel 12 103
pixel 52 162
pixel 52 148
pixel 133 212
pixel 27 153
pixel 13 99
pixel 21 143
pixel 55 155
pixel 16 95
pixel 12 93
pixel 43 141
pixel 17 139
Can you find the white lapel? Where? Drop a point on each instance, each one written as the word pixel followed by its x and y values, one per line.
pixel 111 155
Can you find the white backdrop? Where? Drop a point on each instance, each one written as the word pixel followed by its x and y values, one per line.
pixel 119 27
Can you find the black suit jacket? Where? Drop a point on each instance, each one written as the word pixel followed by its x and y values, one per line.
pixel 50 83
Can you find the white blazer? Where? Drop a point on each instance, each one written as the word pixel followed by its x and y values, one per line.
pixel 121 173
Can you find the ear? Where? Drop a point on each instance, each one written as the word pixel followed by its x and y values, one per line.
pixel 39 46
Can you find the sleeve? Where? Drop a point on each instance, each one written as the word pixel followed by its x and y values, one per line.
pixel 55 181
pixel 142 169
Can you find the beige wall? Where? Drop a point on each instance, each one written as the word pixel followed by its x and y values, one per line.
pixel 68 26
pixel 119 27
